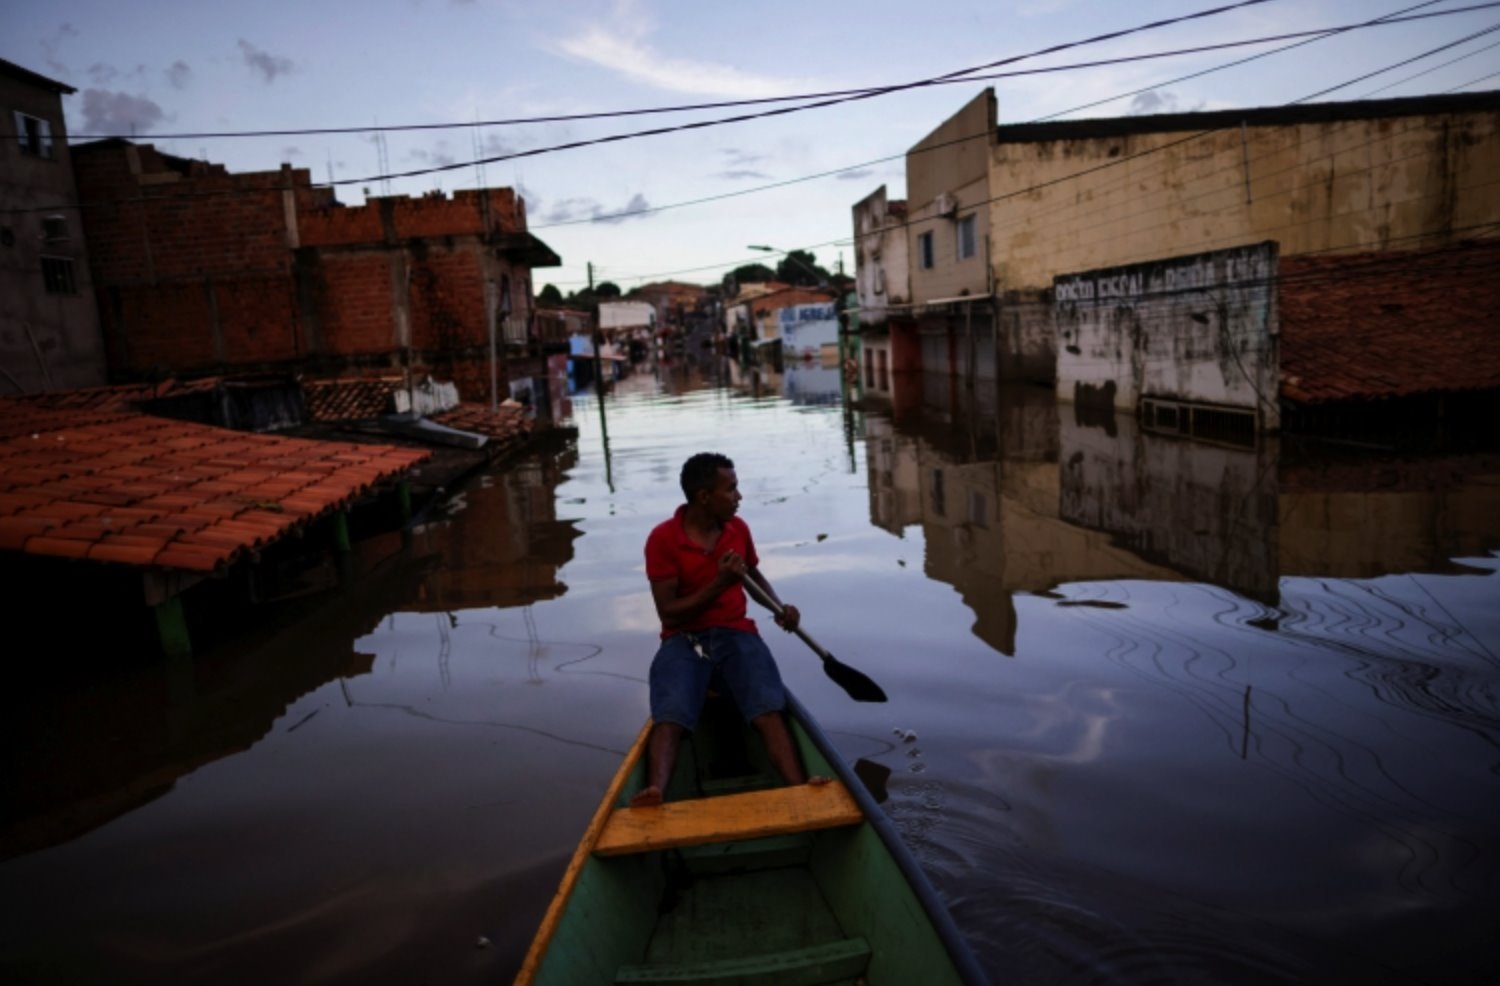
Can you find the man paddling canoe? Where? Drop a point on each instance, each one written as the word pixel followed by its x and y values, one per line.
pixel 695 562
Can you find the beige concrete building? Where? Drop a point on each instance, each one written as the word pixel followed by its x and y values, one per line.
pixel 998 213
pixel 49 325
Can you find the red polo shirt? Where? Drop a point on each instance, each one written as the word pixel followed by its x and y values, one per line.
pixel 671 554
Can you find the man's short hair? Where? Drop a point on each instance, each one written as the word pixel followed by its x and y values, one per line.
pixel 701 472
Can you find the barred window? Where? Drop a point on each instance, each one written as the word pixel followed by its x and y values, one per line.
pixel 57 275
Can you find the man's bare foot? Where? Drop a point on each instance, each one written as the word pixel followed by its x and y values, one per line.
pixel 646 797
pixel 818 780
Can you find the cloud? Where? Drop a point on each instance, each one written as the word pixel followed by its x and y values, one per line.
pixel 576 209
pixel 179 74
pixel 623 46
pixel 52 43
pixel 438 157
pixel 855 174
pixel 1159 101
pixel 268 65
pixel 738 174
pixel 106 112
pixel 287 153
pixel 101 74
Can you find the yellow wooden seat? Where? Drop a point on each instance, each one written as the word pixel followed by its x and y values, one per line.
pixel 732 817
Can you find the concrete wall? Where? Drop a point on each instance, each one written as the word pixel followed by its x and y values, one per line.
pixel 882 272
pixel 1366 176
pixel 952 161
pixel 49 337
pixel 1198 329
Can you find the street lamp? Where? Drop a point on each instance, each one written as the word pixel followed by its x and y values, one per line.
pixel 819 277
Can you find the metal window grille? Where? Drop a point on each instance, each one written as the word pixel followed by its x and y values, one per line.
pixel 57 275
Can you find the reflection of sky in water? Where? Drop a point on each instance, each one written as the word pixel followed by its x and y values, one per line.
pixel 1114 762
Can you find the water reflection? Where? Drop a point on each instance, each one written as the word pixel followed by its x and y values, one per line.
pixel 100 735
pixel 1160 711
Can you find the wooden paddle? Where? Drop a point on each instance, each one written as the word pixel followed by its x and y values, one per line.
pixel 859 685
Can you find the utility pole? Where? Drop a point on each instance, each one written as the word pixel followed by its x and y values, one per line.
pixel 591 275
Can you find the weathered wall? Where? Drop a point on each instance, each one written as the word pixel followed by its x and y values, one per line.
pixel 951 161
pixel 882 272
pixel 1403 174
pixel 1199 328
pixel 49 336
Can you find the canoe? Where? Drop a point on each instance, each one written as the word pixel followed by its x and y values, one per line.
pixel 739 879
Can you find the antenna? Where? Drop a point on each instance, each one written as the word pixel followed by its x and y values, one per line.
pixel 478 153
pixel 383 158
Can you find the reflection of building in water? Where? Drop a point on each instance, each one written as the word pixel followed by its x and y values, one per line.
pixel 79 753
pixel 1206 511
pixel 1364 520
pixel 1011 499
pixel 989 519
pixel 503 545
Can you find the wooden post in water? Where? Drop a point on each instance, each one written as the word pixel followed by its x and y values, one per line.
pixel 171 627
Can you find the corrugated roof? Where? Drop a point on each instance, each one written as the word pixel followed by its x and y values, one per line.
pixel 133 489
pixel 1396 324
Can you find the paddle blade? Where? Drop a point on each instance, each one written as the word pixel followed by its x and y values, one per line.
pixel 859 686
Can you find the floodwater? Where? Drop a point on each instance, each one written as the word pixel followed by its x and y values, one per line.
pixel 1161 711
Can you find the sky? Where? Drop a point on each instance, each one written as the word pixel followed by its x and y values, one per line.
pixel 176 68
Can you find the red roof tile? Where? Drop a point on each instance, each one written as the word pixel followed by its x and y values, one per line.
pixel 507 421
pixel 350 399
pixel 126 488
pixel 1368 326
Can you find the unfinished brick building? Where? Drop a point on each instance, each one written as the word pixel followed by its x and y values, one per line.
pixel 199 270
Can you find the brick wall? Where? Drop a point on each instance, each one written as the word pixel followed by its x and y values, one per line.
pixel 353 303
pixel 197 270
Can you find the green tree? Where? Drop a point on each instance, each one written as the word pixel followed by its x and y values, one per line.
pixel 549 295
pixel 801 267
pixel 607 289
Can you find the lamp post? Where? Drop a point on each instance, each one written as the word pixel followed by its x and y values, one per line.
pixel 818 277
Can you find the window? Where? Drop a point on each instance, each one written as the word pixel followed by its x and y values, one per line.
pixel 967 241
pixel 57 275
pixel 33 136
pixel 55 229
pixel 924 250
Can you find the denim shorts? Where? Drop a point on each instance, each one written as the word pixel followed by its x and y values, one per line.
pixel 686 664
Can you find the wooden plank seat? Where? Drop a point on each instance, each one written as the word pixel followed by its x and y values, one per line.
pixel 728 818
pixel 833 962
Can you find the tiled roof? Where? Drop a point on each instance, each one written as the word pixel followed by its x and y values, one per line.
pixel 117 397
pixel 153 492
pixel 1371 326
pixel 349 400
pixel 506 422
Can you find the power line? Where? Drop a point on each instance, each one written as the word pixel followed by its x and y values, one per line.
pixel 1116 162
pixel 1429 71
pixel 384 178
pixel 834 95
pixel 1388 19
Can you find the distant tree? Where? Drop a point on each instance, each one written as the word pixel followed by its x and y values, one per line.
pixel 549 295
pixel 801 267
pixel 607 289
pixel 748 274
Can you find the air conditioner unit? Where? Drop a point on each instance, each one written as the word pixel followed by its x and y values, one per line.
pixel 947 205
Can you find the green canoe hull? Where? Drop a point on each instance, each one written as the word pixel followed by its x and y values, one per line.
pixel 839 902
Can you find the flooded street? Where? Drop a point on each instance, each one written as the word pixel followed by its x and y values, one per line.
pixel 1159 711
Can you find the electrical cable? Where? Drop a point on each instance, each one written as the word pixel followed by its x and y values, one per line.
pixel 836 95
